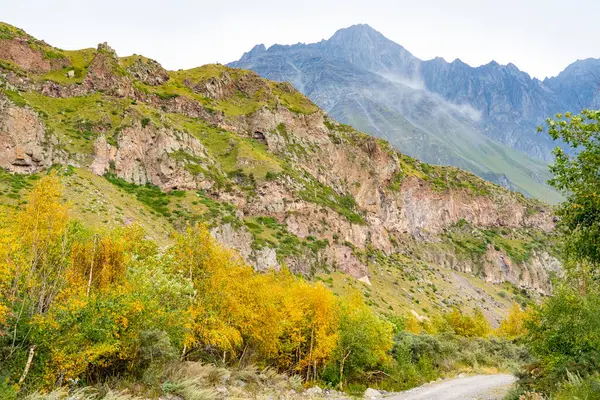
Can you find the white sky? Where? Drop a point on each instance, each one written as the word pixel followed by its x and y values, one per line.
pixel 540 36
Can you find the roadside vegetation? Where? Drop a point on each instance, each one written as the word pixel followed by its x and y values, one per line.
pixel 563 333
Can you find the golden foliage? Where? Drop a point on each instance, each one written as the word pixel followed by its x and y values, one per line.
pixel 468 326
pixel 272 315
pixel 34 248
pixel 513 326
pixel 413 325
pixel 97 264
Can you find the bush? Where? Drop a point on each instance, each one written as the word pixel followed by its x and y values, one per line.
pixel 577 388
pixel 7 391
pixel 563 336
pixel 364 341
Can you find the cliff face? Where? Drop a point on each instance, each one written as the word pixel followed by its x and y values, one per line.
pixel 23 146
pixel 299 188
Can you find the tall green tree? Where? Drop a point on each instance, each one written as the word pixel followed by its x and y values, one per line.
pixel 564 332
pixel 577 176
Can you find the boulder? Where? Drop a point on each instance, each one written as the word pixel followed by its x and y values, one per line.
pixel 372 394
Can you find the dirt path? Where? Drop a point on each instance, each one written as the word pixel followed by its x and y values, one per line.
pixel 480 387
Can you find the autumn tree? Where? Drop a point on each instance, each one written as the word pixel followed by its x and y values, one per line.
pixel 310 326
pixel 462 324
pixel 197 257
pixel 513 326
pixel 37 249
pixel 34 253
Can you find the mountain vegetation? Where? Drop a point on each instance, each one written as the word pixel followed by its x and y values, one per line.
pixel 208 233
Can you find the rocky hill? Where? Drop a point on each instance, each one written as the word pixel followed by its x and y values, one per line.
pixel 272 175
pixel 438 111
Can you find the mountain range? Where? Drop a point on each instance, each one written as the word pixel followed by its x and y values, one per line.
pixel 481 119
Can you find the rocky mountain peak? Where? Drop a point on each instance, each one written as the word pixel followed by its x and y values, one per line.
pixel 256 50
pixel 456 62
pixel 367 48
pixel 578 84
pixel 357 32
pixel 105 48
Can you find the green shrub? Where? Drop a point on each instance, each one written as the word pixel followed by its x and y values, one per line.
pixel 148 194
pixel 7 391
pixel 563 337
pixel 421 358
pixel 577 388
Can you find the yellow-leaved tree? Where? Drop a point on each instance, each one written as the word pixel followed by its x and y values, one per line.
pixel 38 245
pixel 514 325
pixel 310 326
pixel 207 265
pixel 475 325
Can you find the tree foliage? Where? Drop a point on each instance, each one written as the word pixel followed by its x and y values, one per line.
pixel 575 174
pixel 564 331
pixel 564 335
pixel 514 325
pixel 364 341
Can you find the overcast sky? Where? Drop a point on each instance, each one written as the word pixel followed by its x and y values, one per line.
pixel 540 36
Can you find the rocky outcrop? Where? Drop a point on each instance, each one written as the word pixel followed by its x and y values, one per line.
pixel 145 155
pixel 240 240
pixel 22 53
pixel 23 146
pixel 224 86
pixel 534 275
pixel 148 71
pixel 104 74
pixel 213 88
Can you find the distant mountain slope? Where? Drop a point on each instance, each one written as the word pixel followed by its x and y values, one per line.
pixel 443 113
pixel 578 85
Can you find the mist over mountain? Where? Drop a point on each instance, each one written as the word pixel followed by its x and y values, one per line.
pixel 482 119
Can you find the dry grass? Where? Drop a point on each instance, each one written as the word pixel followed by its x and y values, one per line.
pixel 197 381
pixel 81 394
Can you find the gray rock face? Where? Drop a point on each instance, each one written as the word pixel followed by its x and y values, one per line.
pixel 22 140
pixel 578 86
pixel 440 112
pixel 511 103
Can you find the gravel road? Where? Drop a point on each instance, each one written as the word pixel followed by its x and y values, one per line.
pixel 479 387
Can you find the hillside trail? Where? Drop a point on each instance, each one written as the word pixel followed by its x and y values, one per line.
pixel 479 387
